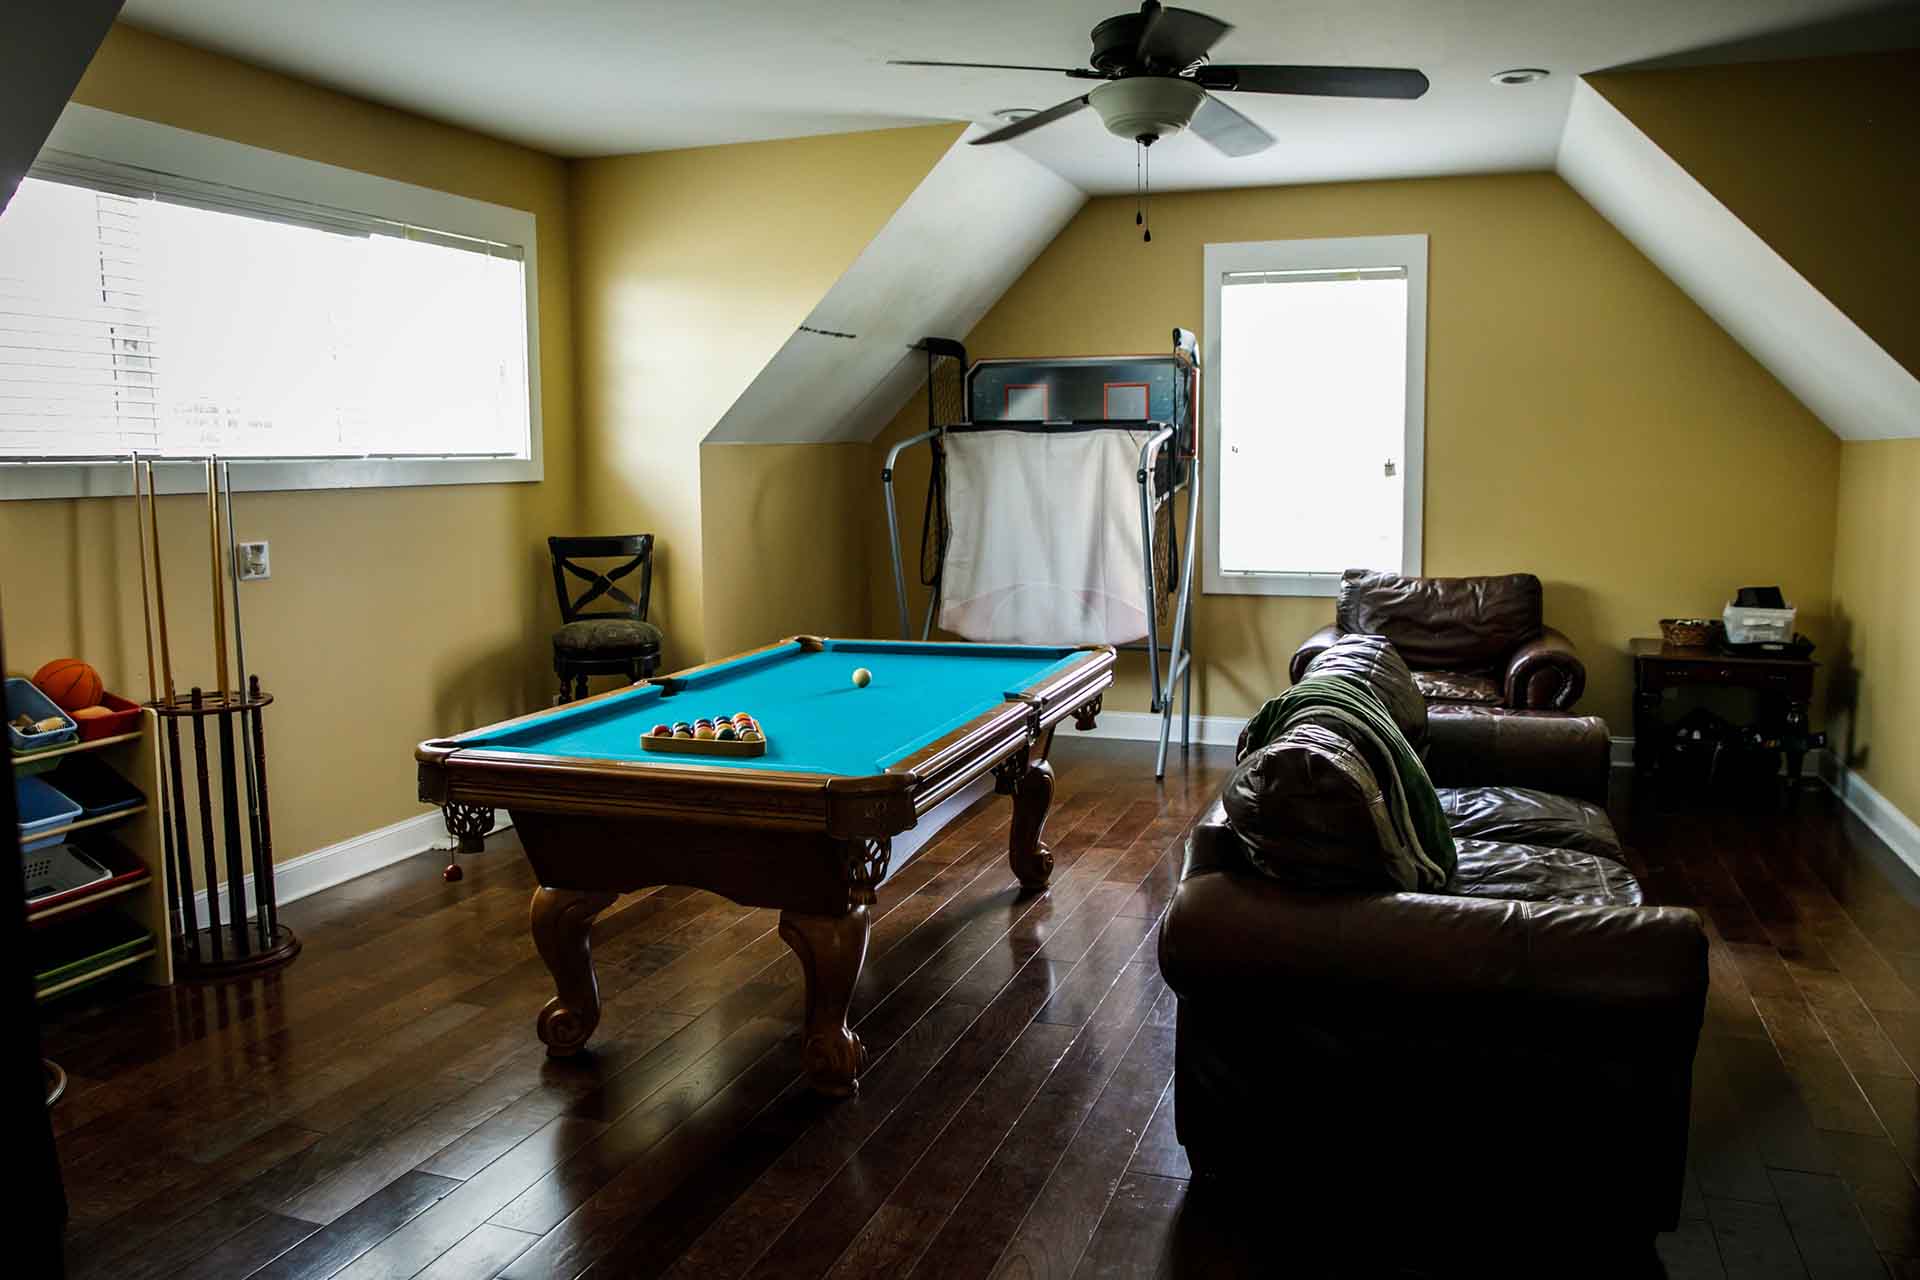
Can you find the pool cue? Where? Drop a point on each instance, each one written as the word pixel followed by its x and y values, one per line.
pixel 229 789
pixel 182 850
pixel 262 874
pixel 196 700
pixel 153 696
pixel 219 591
pixel 265 888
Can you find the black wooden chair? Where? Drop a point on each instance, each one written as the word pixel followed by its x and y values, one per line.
pixel 615 639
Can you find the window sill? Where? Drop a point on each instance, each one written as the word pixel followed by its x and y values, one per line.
pixel 25 479
pixel 1305 585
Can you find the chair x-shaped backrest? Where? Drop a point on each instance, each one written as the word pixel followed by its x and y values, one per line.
pixel 638 547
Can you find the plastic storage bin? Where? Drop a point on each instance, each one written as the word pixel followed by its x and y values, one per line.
pixel 123 716
pixel 67 957
pixel 95 787
pixel 24 699
pixel 1748 625
pixel 61 868
pixel 42 808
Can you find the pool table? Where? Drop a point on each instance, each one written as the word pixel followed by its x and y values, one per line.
pixel 806 828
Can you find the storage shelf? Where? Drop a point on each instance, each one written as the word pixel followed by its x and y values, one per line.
pixel 128 843
pixel 82 823
pixel 34 759
pixel 93 975
pixel 78 900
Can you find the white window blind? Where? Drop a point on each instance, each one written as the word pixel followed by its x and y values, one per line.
pixel 1313 380
pixel 1315 435
pixel 178 317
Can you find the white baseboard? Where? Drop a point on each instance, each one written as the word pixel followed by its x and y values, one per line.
pixel 309 873
pixel 1881 816
pixel 1144 726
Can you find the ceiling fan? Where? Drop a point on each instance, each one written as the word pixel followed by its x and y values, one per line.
pixel 1158 81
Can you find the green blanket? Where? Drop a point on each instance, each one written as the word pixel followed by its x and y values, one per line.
pixel 1349 702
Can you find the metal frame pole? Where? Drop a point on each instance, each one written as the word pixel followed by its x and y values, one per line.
pixel 1142 477
pixel 893 528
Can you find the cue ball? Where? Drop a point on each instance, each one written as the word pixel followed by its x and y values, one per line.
pixel 862 677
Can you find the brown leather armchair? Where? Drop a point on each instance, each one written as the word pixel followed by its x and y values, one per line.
pixel 1469 641
pixel 1506 1059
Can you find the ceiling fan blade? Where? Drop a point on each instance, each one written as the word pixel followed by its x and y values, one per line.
pixel 1032 122
pixel 1175 38
pixel 1227 131
pixel 1078 73
pixel 1323 82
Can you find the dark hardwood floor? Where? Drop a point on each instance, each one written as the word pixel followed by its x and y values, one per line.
pixel 382 1108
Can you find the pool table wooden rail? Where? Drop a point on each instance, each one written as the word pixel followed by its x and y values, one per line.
pixel 461 770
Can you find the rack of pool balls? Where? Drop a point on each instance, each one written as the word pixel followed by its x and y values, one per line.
pixel 735 735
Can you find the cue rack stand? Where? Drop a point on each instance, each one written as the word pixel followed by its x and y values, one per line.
pixel 236 943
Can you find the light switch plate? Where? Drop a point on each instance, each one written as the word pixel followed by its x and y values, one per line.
pixel 254 562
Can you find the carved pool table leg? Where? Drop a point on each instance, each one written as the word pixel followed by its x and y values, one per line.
pixel 1032 790
pixel 831 950
pixel 562 919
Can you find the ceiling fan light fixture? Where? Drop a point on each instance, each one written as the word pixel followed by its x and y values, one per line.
pixel 1007 115
pixel 1147 107
pixel 1520 75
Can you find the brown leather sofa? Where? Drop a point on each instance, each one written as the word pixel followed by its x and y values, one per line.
pixel 1510 1059
pixel 1470 641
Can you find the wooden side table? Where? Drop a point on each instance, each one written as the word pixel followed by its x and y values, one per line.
pixel 1784 686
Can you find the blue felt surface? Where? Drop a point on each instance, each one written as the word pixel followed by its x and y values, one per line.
pixel 816 721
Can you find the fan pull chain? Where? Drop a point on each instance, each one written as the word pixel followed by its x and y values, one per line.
pixel 1146 217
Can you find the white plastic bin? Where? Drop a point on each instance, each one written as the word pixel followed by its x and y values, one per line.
pixel 1748 625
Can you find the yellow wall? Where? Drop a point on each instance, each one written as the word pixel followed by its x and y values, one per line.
pixel 1585 421
pixel 694 267
pixel 1875 721
pixel 786 550
pixel 1816 156
pixel 393 614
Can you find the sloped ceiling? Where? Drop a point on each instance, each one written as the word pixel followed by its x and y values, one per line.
pixel 968 231
pixel 1842 375
pixel 47 47
pixel 1817 156
pixel 631 75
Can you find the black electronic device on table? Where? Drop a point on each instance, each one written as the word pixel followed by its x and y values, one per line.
pixel 1798 649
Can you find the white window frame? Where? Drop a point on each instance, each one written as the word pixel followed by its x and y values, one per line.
pixel 87 139
pixel 1333 254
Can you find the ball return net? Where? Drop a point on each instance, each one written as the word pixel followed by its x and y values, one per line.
pixel 1053 507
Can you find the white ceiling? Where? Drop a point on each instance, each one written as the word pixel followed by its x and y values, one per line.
pixel 601 77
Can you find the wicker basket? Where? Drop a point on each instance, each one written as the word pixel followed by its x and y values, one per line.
pixel 1686 633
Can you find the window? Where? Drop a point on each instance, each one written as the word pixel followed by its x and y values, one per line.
pixel 320 327
pixel 1315 427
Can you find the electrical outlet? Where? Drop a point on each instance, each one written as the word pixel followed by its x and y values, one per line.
pixel 254 564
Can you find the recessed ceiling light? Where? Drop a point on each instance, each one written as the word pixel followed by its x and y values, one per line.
pixel 1520 75
pixel 1010 114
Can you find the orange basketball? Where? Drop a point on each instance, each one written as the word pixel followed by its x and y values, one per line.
pixel 71 683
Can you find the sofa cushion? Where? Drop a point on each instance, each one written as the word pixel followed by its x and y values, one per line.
pixel 1532 873
pixel 1521 815
pixel 1310 811
pixel 1449 624
pixel 1373 659
pixel 1458 687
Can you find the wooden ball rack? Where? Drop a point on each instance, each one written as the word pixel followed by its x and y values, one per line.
pixel 703 746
